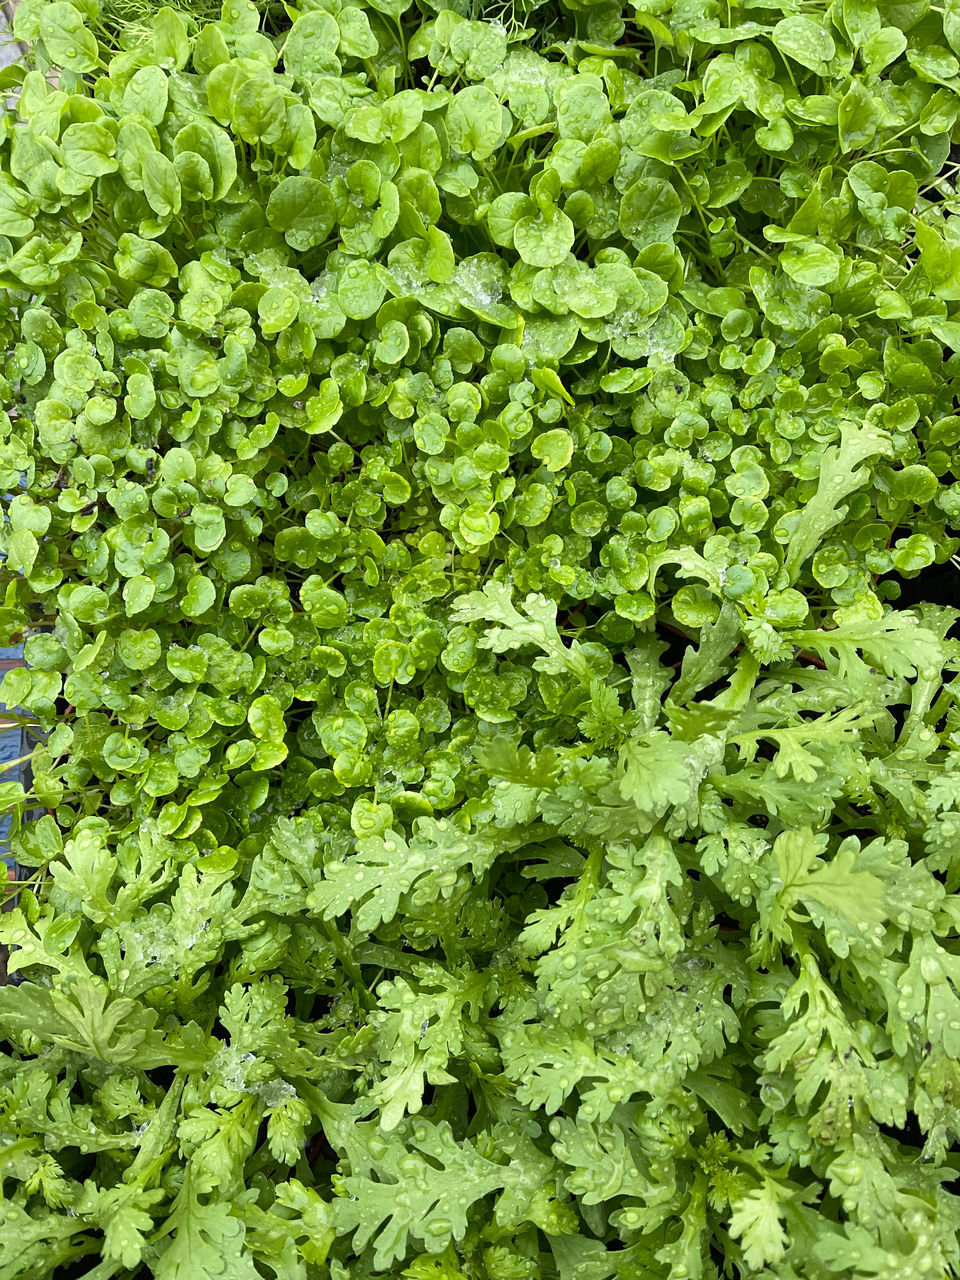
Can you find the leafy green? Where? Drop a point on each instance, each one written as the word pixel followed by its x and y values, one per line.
pixel 490 820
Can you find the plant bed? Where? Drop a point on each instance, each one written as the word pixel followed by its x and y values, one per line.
pixel 495 824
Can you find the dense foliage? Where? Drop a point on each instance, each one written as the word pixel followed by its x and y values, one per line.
pixel 498 823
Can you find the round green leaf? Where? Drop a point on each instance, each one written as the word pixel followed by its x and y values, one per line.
pixel 478 525
pixel 310 50
pixel 554 449
pixel 649 212
pixel 138 592
pixel 303 209
pixel 544 239
pixel 475 122
pixel 65 35
pixel 392 662
pixel 139 650
pixel 126 755
pixel 265 718
pixel 140 397
pixel 326 607
pixel 199 596
pixel 804 40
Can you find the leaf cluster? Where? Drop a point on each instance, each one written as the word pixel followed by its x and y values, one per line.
pixel 493 821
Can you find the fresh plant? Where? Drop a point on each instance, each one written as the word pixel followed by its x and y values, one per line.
pixel 497 822
pixel 123 24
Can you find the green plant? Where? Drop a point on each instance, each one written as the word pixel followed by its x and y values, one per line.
pixel 497 825
pixel 123 24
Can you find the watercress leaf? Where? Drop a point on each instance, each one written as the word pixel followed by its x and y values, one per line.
pixel 214 148
pixel 67 40
pixel 146 94
pixel 476 122
pixel 310 50
pixel 303 209
pixel 649 212
pixel 554 449
pixel 544 238
pixel 802 39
